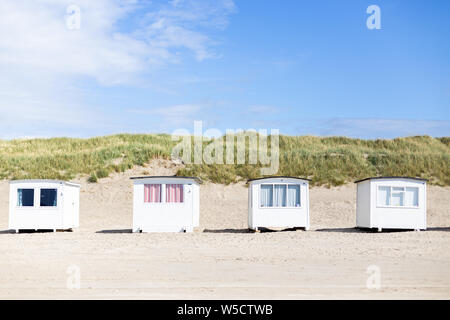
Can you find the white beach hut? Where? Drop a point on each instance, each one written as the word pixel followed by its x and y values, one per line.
pixel 43 204
pixel 391 203
pixel 278 202
pixel 166 204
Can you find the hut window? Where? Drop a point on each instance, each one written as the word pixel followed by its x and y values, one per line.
pixel 266 195
pixel 412 197
pixel 384 196
pixel 280 195
pixel 174 193
pixel 25 197
pixel 294 195
pixel 49 198
pixel 398 196
pixel 152 193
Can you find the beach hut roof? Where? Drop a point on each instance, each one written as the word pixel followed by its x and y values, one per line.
pixel 272 177
pixel 45 181
pixel 168 177
pixel 391 177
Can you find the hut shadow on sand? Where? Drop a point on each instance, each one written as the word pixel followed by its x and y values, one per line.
pixel 226 231
pixel 261 230
pixel 34 231
pixel 115 231
pixel 439 229
pixel 363 230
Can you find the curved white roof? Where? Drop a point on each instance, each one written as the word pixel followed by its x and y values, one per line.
pixel 36 181
pixel 278 177
pixel 391 177
pixel 168 177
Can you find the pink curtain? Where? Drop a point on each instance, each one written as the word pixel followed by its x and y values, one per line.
pixel 174 193
pixel 152 193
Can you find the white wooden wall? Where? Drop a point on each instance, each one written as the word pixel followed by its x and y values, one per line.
pixel 371 215
pixel 283 217
pixel 166 217
pixel 64 216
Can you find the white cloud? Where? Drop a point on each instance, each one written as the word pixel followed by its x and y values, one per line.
pixel 184 110
pixel 373 128
pixel 187 13
pixel 170 117
pixel 263 110
pixel 34 34
pixel 118 41
pixel 34 37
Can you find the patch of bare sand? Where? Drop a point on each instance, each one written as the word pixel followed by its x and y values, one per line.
pixel 222 260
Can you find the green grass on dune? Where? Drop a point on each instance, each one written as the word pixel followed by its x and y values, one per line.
pixel 65 158
pixel 326 160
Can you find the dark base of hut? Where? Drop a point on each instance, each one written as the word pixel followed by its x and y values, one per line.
pixel 41 230
pixel 385 230
pixel 263 229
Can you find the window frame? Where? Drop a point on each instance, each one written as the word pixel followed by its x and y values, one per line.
pixel 404 197
pixel 163 196
pixel 17 198
pixel 162 191
pixel 287 184
pixel 40 196
pixel 37 199
pixel 175 203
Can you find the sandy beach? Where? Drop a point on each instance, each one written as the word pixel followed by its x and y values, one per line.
pixel 221 259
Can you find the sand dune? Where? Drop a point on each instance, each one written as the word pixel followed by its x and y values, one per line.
pixel 221 259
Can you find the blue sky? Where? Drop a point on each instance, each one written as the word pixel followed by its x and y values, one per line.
pixel 303 67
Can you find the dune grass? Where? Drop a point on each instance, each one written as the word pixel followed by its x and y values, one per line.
pixel 326 160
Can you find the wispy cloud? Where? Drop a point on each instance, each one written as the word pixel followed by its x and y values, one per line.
pixel 174 25
pixel 169 118
pixel 42 60
pixel 263 110
pixel 185 110
pixel 372 128
pixel 34 35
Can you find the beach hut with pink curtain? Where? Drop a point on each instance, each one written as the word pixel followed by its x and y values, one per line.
pixel 166 204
